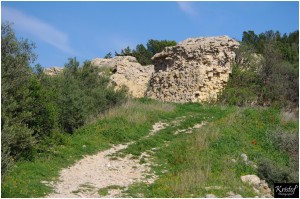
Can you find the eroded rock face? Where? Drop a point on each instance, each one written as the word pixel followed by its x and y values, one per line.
pixel 195 70
pixel 128 72
pixel 111 62
pixel 55 70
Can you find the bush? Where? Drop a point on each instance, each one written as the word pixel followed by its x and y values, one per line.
pixel 269 171
pixel 242 87
pixel 265 79
pixel 238 96
pixel 288 143
pixel 33 105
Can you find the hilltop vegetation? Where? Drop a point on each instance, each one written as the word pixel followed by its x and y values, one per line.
pixel 46 121
pixel 266 71
pixel 142 54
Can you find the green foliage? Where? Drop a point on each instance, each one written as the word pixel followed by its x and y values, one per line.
pixel 81 94
pixel 156 46
pixel 34 106
pixel 242 88
pixel 286 142
pixel 272 173
pixel 108 56
pixel 287 44
pixel 17 139
pixel 268 78
pixel 125 52
pixel 143 54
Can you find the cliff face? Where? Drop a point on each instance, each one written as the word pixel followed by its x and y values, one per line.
pixel 195 70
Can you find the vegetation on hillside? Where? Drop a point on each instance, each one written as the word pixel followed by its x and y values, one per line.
pixel 207 157
pixel 266 71
pixel 34 107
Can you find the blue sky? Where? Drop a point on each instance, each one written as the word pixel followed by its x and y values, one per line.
pixel 88 30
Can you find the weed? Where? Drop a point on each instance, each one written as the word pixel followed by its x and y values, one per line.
pixel 103 191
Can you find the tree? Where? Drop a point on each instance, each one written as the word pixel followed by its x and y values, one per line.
pixel 108 56
pixel 126 52
pixel 156 46
pixel 16 137
pixel 142 55
pixel 275 81
pixel 72 67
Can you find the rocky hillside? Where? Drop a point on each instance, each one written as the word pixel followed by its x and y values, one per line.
pixel 195 70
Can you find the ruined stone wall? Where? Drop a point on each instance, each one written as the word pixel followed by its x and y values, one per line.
pixel 130 73
pixel 195 70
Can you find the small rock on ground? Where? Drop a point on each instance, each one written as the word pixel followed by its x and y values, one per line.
pixel 210 196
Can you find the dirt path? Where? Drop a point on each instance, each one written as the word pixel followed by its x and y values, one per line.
pixel 100 171
pixel 87 176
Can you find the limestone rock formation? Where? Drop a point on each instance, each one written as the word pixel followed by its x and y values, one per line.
pixel 195 70
pixel 111 62
pixel 55 70
pixel 128 72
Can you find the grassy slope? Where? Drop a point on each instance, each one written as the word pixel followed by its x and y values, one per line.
pixel 194 161
pixel 204 158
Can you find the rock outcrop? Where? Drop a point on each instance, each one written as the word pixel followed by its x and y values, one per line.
pixel 195 70
pixel 111 62
pixel 260 187
pixel 55 70
pixel 128 72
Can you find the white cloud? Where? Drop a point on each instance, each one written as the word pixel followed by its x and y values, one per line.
pixel 38 28
pixel 187 7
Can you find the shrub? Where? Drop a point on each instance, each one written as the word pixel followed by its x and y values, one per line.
pixel 242 87
pixel 269 171
pixel 288 143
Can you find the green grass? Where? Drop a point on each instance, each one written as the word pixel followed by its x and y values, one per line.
pixel 104 191
pixel 128 122
pixel 193 161
pixel 204 158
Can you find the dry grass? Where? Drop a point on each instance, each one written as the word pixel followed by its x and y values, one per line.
pixel 287 116
pixel 135 111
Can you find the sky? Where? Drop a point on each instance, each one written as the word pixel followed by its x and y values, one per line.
pixel 86 30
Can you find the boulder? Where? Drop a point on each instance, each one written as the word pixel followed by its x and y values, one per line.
pixel 195 70
pixel 251 179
